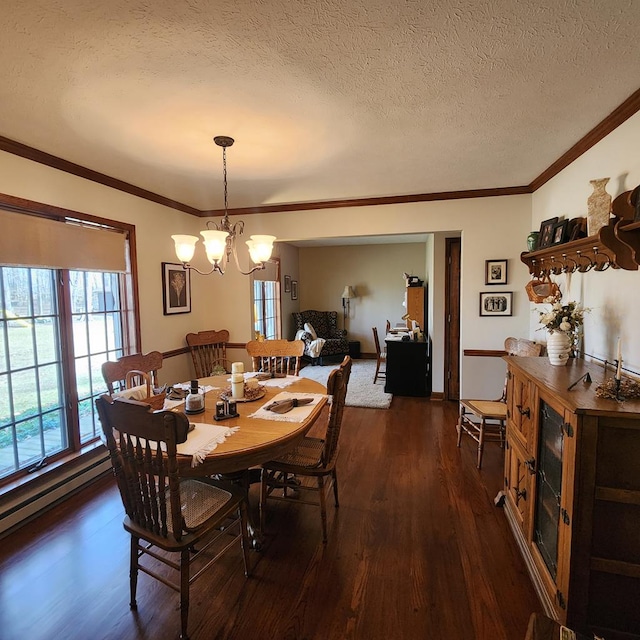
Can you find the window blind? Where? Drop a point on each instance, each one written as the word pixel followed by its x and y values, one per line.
pixel 33 241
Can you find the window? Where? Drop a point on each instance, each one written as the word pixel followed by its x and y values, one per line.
pixel 57 327
pixel 266 301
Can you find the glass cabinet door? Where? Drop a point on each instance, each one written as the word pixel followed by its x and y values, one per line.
pixel 548 487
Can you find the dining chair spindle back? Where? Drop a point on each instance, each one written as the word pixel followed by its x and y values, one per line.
pixel 163 510
pixel 305 468
pixel 208 352
pixel 115 373
pixel 276 356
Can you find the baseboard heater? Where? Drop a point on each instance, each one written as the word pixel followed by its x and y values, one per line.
pixel 26 506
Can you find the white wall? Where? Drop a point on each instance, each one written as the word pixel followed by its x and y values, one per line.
pixel 612 295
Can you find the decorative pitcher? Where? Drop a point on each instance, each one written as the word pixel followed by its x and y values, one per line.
pixel 558 347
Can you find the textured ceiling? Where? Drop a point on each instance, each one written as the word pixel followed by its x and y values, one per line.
pixel 327 99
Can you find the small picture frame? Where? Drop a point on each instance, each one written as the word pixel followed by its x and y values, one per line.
pixel 560 231
pixel 176 289
pixel 294 289
pixel 495 271
pixel 546 233
pixel 287 284
pixel 576 229
pixel 496 304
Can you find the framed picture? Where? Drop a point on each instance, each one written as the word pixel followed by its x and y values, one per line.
pixel 560 231
pixel 495 272
pixel 546 233
pixel 294 289
pixel 176 289
pixel 576 228
pixel 496 304
pixel 287 284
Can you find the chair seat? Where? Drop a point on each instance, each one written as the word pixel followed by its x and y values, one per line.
pixel 487 409
pixel 307 454
pixel 200 502
pixel 483 420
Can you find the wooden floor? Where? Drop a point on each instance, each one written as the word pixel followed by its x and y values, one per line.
pixel 417 550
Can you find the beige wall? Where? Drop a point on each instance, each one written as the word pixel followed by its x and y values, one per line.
pixel 612 295
pixel 490 228
pixel 374 272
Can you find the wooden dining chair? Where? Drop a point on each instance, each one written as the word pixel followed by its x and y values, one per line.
pixel 484 420
pixel 115 372
pixel 208 351
pixel 277 356
pixel 305 468
pixel 163 511
pixel 381 357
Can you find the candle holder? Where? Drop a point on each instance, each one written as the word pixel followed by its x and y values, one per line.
pixel 618 381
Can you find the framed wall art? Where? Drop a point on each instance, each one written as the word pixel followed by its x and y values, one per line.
pixel 495 272
pixel 287 284
pixel 294 289
pixel 176 289
pixel 496 304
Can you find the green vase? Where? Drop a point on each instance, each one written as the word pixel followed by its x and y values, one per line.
pixel 532 240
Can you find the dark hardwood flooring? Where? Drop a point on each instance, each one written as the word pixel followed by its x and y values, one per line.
pixel 417 550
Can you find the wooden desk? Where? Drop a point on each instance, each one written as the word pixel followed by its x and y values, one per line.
pixel 257 440
pixel 407 368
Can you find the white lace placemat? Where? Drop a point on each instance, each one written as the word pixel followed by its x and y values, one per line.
pixel 297 414
pixel 203 440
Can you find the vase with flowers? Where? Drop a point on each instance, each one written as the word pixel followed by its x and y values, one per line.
pixel 563 323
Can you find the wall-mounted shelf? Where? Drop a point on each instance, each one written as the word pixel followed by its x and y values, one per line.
pixel 617 246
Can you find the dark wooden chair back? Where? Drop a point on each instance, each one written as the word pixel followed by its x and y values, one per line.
pixel 142 446
pixel 115 372
pixel 380 356
pixel 376 341
pixel 208 350
pixel 277 356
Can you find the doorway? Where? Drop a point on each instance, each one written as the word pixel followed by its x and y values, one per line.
pixel 453 250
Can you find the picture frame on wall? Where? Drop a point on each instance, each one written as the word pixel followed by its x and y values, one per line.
pixel 546 232
pixel 495 272
pixel 496 303
pixel 176 289
pixel 294 289
pixel 287 284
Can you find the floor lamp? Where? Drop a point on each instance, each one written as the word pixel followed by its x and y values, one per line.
pixel 347 294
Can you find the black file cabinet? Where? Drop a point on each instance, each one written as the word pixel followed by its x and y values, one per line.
pixel 407 368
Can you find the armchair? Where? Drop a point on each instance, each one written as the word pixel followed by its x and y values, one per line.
pixel 325 325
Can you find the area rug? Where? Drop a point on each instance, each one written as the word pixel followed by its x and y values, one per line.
pixel 361 391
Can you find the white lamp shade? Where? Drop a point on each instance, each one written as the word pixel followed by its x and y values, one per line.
pixel 215 244
pixel 348 293
pixel 260 248
pixel 185 247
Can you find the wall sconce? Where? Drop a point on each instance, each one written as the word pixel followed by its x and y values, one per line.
pixel 347 294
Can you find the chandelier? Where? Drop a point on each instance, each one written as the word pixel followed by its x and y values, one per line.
pixel 220 238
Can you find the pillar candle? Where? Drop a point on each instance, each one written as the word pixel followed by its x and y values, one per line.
pixel 619 358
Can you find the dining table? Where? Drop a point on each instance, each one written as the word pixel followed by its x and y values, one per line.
pixel 255 436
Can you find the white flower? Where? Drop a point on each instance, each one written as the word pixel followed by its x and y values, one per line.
pixel 567 318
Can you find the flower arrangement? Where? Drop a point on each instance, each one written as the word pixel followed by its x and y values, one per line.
pixel 562 317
